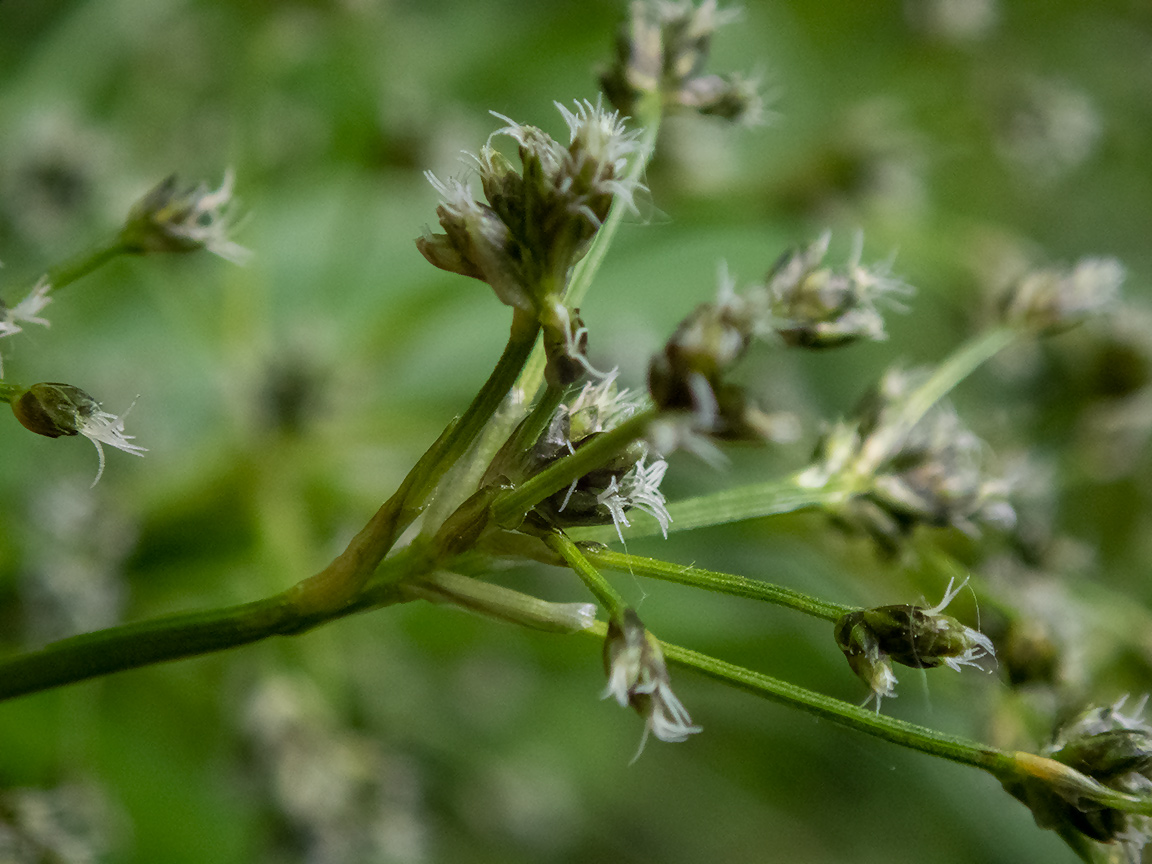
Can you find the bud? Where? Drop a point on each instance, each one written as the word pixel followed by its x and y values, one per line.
pixel 169 219
pixel 930 474
pixel 689 374
pixel 910 635
pixel 1051 300
pixel 56 410
pixel 606 494
pixel 816 307
pixel 861 649
pixel 539 222
pixel 661 52
pixel 1110 748
pixel 637 676
pixel 565 341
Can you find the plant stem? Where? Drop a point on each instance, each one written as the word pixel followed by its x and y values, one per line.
pixel 585 270
pixel 173 637
pixel 845 714
pixel 711 580
pixel 601 589
pixel 955 368
pixel 772 498
pixel 340 581
pixel 510 507
pixel 81 265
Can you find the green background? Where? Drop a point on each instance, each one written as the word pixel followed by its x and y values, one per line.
pixel 282 402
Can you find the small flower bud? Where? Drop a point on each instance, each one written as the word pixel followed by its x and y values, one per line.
pixel 861 649
pixel 930 474
pixel 56 410
pixel 661 52
pixel 565 341
pixel 537 223
pixel 169 219
pixel 606 494
pixel 1050 301
pixel 910 635
pixel 689 374
pixel 819 308
pixel 637 676
pixel 1107 747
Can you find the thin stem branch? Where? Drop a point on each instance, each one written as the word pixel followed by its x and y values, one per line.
pixel 955 368
pixel 753 501
pixel 711 580
pixel 600 587
pixel 81 265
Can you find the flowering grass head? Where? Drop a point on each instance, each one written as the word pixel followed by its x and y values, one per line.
pixel 171 219
pixel 661 53
pixel 638 677
pixel 817 307
pixel 630 480
pixel 55 410
pixel 923 638
pixel 536 223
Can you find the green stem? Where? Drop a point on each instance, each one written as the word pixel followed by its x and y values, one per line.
pixel 601 589
pixel 341 580
pixel 955 368
pixel 452 446
pixel 1006 766
pixel 510 507
pixel 772 498
pixel 8 392
pixel 711 580
pixel 585 270
pixel 81 265
pixel 173 637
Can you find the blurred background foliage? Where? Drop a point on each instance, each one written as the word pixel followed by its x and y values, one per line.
pixel 282 402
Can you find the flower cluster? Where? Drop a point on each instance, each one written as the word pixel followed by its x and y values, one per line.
pixel 900 475
pixel 1111 748
pixel 171 219
pixel 1051 300
pixel 537 223
pixel 637 676
pixel 816 307
pixel 872 639
pixel 661 53
pixel 690 375
pixel 630 480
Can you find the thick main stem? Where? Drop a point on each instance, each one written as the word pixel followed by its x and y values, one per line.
pixel 340 581
pixel 173 637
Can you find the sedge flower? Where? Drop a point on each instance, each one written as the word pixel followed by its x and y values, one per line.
pixel 923 638
pixel 56 410
pixel 638 677
pixel 27 311
pixel 171 219
pixel 535 223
